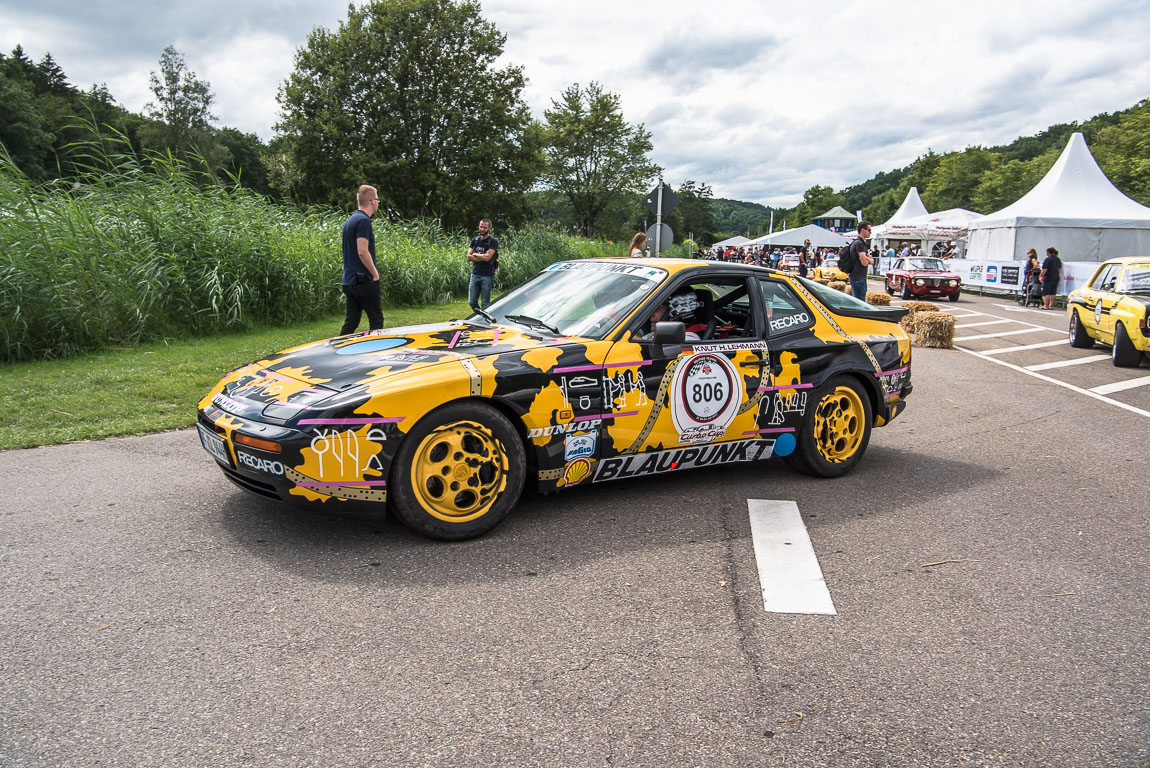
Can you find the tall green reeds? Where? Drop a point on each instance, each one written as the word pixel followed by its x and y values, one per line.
pixel 140 249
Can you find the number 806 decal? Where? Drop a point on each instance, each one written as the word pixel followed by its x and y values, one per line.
pixel 704 398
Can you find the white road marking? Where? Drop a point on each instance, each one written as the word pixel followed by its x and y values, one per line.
pixel 1118 386
pixel 789 572
pixel 984 322
pixel 1063 384
pixel 1021 347
pixel 1023 309
pixel 1064 363
pixel 1010 333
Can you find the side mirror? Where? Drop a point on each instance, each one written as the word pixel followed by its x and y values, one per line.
pixel 669 337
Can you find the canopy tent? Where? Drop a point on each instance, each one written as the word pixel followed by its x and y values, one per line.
pixel 736 241
pixel 819 237
pixel 1075 208
pixel 951 224
pixel 911 208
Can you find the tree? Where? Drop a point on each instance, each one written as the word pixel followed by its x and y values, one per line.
pixel 954 181
pixel 693 214
pixel 1123 152
pixel 181 107
pixel 405 97
pixel 594 158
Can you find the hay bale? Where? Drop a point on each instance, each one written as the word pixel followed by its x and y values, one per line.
pixel 920 306
pixel 822 281
pixel 839 285
pixel 877 298
pixel 933 329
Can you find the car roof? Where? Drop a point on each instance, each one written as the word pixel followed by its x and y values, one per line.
pixel 1128 260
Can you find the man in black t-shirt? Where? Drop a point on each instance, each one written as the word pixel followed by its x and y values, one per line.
pixel 360 280
pixel 484 257
pixel 859 261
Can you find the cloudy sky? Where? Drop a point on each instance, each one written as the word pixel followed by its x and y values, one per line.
pixel 761 100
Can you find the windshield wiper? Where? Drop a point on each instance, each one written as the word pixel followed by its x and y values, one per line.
pixel 485 316
pixel 531 322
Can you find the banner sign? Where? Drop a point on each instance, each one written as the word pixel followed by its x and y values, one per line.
pixel 1008 275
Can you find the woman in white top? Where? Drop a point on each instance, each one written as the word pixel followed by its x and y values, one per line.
pixel 637 243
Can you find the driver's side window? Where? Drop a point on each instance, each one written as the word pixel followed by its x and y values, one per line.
pixel 785 311
pixel 1106 279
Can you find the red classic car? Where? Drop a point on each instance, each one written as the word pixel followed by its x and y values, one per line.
pixel 921 277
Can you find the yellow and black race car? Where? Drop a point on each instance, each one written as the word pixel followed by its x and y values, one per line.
pixel 1114 308
pixel 595 370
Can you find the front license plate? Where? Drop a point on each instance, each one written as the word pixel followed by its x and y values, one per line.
pixel 215 445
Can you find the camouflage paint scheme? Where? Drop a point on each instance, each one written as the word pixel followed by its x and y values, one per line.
pixel 587 410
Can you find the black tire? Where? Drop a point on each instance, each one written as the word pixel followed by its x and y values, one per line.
pixel 834 431
pixel 906 294
pixel 886 286
pixel 1079 338
pixel 1124 354
pixel 458 472
pixel 954 296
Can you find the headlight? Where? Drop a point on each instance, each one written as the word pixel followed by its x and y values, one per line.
pixel 918 281
pixel 952 283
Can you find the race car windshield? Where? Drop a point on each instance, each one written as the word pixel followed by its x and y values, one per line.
pixel 928 265
pixel 1136 279
pixel 586 298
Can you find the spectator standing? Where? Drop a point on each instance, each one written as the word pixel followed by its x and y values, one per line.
pixel 635 250
pixel 360 282
pixel 484 257
pixel 859 260
pixel 804 255
pixel 1051 275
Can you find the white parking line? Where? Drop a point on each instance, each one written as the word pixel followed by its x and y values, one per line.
pixel 1039 345
pixel 1063 384
pixel 1119 386
pixel 789 572
pixel 984 322
pixel 1009 333
pixel 1064 363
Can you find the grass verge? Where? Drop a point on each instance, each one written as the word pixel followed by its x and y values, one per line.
pixel 152 387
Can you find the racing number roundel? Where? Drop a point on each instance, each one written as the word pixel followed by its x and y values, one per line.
pixel 705 397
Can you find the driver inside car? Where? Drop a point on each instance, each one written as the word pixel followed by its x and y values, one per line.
pixel 683 306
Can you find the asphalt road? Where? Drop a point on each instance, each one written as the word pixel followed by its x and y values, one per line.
pixel 988 562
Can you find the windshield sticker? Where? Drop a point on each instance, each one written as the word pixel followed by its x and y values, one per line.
pixel 650 273
pixel 370 345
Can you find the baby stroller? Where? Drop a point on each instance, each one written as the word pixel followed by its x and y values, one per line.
pixel 1031 291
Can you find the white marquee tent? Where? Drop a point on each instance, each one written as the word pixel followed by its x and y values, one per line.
pixel 736 241
pixel 1075 208
pixel 911 208
pixel 819 237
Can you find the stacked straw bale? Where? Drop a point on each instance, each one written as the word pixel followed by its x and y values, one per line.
pixel 877 298
pixel 839 285
pixel 933 329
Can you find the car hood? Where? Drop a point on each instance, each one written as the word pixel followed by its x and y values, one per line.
pixel 351 361
pixel 333 373
pixel 929 273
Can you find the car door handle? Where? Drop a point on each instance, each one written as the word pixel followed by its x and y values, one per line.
pixel 754 363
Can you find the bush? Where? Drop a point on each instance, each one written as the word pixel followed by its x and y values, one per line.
pixel 141 249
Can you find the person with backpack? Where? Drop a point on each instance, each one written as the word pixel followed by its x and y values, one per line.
pixel 854 260
pixel 1051 275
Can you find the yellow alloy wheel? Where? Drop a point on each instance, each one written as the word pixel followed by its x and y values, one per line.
pixel 458 471
pixel 840 424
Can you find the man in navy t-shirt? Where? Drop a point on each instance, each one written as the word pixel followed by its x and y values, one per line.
pixel 484 257
pixel 859 260
pixel 360 275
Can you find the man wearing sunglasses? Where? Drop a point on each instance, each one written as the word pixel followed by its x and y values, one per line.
pixel 859 260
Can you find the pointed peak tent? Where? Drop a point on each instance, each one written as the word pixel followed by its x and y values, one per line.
pixel 1075 208
pixel 911 207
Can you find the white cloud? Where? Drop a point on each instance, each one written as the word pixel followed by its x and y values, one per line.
pixel 759 100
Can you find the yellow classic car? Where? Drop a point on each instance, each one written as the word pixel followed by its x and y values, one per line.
pixel 1114 308
pixel 829 270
